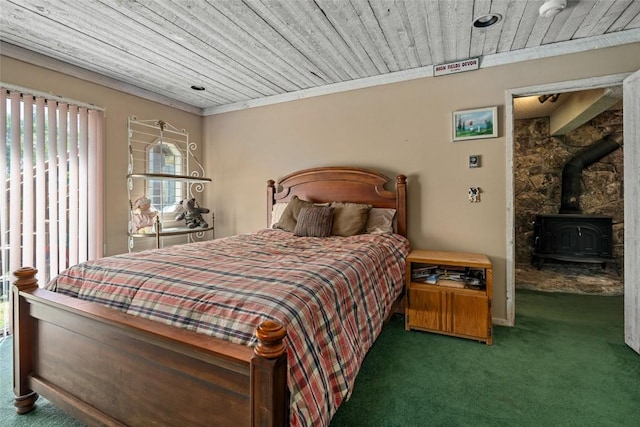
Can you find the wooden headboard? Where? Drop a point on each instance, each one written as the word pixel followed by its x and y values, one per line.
pixel 341 184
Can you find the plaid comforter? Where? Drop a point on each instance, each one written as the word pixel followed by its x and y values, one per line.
pixel 331 293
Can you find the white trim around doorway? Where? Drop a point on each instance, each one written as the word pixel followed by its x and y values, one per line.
pixel 559 87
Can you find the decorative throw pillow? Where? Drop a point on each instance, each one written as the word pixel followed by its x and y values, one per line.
pixel 276 213
pixel 289 216
pixel 314 222
pixel 380 221
pixel 349 219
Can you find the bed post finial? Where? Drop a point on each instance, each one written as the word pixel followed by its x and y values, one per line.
pixel 26 278
pixel 270 335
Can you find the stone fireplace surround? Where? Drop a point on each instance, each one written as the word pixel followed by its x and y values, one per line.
pixel 538 163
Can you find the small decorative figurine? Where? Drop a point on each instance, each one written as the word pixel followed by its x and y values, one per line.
pixel 192 214
pixel 143 215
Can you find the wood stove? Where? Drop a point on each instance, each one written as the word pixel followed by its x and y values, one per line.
pixel 570 237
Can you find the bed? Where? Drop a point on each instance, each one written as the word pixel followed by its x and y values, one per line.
pixel 107 367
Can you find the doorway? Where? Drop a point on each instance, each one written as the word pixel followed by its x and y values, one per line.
pixel 568 192
pixel 561 87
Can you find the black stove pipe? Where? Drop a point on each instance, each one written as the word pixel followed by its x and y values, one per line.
pixel 572 171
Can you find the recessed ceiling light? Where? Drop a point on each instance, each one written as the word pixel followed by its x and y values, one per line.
pixel 485 21
pixel 196 87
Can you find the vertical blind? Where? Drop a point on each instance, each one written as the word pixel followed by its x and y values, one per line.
pixel 51 212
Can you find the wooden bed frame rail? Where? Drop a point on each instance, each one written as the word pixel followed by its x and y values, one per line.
pixel 139 367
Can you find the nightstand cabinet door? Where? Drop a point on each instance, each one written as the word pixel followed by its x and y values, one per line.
pixel 469 315
pixel 425 310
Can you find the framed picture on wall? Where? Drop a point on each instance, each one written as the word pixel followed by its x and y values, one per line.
pixel 475 124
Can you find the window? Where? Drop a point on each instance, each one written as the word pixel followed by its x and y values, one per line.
pixel 51 208
pixel 164 158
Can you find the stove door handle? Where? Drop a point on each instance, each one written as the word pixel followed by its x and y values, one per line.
pixel 579 232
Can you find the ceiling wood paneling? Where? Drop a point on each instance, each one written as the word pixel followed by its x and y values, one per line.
pixel 246 51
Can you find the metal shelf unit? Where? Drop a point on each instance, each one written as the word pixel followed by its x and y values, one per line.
pixel 162 170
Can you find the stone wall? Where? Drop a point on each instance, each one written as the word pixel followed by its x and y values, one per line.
pixel 538 162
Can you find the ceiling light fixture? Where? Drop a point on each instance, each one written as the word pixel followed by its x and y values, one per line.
pixel 551 8
pixel 196 87
pixel 551 98
pixel 485 21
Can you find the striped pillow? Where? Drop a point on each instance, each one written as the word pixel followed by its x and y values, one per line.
pixel 287 221
pixel 314 222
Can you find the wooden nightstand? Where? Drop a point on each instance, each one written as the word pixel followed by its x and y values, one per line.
pixel 451 307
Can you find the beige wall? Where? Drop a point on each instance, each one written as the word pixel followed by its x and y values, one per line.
pixel 118 106
pixel 396 128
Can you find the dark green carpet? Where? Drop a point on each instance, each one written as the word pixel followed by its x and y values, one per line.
pixel 564 364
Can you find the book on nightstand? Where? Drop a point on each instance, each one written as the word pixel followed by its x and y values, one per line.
pixel 423 272
pixel 431 279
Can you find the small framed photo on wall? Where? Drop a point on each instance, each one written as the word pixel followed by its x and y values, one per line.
pixel 475 124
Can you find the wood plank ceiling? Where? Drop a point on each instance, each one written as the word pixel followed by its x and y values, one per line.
pixel 246 50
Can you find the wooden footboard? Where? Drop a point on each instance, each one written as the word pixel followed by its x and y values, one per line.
pixel 105 367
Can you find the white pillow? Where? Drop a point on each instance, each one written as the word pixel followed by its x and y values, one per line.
pixel 276 212
pixel 380 221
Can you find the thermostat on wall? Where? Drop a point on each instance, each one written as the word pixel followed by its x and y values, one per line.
pixel 474 161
